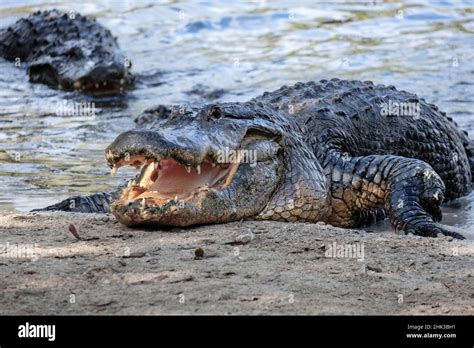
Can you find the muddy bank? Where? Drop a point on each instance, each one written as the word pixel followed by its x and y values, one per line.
pixel 237 268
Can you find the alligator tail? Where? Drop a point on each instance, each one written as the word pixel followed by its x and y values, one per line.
pixel 96 203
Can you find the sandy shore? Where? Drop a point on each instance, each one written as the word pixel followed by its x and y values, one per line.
pixel 237 268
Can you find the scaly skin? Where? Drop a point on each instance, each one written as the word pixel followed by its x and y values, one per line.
pixel 339 160
pixel 67 52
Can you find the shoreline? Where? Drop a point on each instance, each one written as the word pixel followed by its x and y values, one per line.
pixel 244 268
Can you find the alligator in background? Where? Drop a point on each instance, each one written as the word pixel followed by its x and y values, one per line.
pixel 323 151
pixel 68 52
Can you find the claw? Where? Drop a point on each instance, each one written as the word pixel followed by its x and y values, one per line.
pixel 453 234
pixel 431 230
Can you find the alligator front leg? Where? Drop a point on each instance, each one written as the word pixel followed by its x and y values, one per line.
pixel 96 203
pixel 409 191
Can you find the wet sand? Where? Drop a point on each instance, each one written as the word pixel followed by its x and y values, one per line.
pixel 237 268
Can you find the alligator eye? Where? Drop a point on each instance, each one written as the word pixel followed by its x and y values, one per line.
pixel 215 112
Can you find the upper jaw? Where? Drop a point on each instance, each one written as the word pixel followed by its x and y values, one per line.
pixel 189 150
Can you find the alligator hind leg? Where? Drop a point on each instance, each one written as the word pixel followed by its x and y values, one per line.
pixel 409 191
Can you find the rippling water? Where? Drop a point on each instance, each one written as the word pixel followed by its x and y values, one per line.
pixel 246 48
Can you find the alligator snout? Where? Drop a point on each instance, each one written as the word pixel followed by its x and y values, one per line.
pixel 105 78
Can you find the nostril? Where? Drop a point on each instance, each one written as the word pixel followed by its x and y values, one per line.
pixel 215 112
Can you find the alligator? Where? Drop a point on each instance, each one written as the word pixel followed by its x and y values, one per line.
pixel 67 51
pixel 325 151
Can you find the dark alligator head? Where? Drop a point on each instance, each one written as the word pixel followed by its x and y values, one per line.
pixel 217 164
pixel 67 51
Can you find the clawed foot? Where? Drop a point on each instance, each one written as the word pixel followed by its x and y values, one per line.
pixel 431 230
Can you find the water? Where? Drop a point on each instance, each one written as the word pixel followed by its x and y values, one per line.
pixel 247 48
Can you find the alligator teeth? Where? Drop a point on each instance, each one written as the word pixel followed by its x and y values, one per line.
pixel 130 183
pixel 176 198
pixel 198 169
pixel 96 85
pixel 213 164
pixel 188 169
pixel 143 202
pixel 122 81
pixel 113 171
pixel 147 172
pixel 104 83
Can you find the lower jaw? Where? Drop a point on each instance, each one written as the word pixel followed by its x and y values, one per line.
pixel 101 92
pixel 175 212
pixel 99 89
pixel 169 214
pixel 164 211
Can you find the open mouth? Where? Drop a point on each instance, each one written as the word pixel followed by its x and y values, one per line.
pixel 188 180
pixel 161 181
